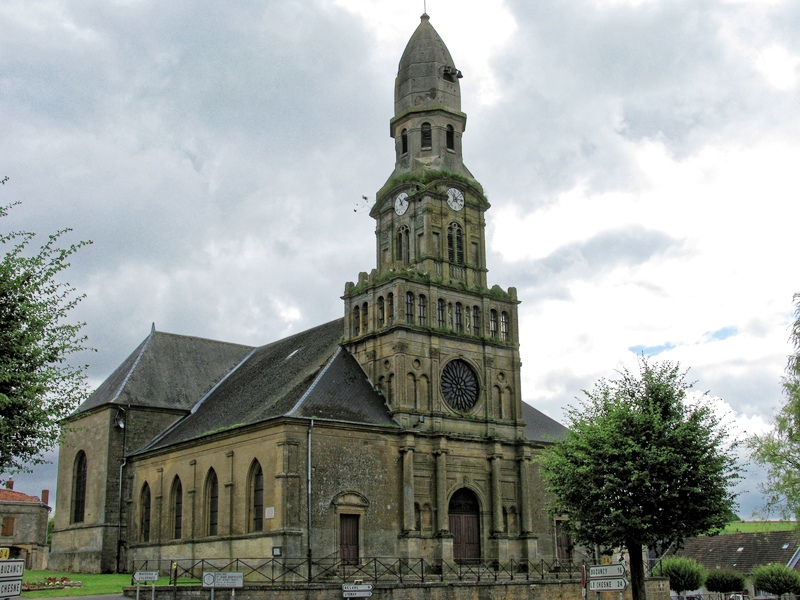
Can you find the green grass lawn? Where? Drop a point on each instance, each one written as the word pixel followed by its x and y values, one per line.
pixel 93 585
pixel 759 526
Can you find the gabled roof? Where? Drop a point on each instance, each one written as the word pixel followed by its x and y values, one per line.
pixel 539 427
pixel 12 496
pixel 742 551
pixel 167 371
pixel 304 375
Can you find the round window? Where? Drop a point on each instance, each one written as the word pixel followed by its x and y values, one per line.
pixel 459 385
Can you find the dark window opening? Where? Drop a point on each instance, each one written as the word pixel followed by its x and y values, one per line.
pixel 451 138
pixel 427 137
pixel 440 314
pixel 144 529
pixel 493 323
pixel 258 498
pixel 177 508
pixel 381 312
pixel 423 310
pixel 212 502
pixel 403 250
pixel 404 142
pixel 356 320
pixel 459 318
pixel 79 488
pixel 504 326
pixel 390 308
pixel 409 308
pixel 476 320
pixel 364 317
pixel 455 244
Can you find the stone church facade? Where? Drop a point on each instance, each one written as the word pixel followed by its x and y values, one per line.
pixel 397 431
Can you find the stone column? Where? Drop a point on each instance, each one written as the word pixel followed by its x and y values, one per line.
pixel 497 497
pixel 408 485
pixel 442 518
pixel 524 493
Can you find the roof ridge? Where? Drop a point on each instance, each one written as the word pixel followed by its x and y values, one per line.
pixel 313 385
pixel 127 378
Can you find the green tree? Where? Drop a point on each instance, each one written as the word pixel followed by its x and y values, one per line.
pixel 38 385
pixel 775 579
pixel 724 581
pixel 779 449
pixel 685 574
pixel 642 463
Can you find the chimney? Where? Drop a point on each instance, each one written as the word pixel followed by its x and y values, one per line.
pixel 45 496
pixel 10 483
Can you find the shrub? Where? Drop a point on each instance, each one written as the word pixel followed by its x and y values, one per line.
pixel 684 574
pixel 725 580
pixel 776 579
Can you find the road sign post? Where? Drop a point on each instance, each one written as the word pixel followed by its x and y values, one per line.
pixel 11 572
pixel 143 576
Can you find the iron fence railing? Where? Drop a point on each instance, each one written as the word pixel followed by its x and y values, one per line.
pixel 283 571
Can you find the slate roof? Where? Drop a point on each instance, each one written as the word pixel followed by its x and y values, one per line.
pixel 743 551
pixel 304 375
pixel 539 427
pixel 167 371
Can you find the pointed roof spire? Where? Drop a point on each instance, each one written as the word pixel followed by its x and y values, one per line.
pixel 426 77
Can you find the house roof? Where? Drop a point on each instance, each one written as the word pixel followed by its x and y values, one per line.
pixel 742 551
pixel 167 371
pixel 12 496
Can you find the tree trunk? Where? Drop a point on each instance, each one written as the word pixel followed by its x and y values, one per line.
pixel 636 571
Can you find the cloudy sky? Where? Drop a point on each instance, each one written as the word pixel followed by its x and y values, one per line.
pixel 640 157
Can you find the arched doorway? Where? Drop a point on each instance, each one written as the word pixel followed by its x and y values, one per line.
pixel 464 512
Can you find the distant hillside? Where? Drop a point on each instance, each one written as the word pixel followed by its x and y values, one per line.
pixel 758 526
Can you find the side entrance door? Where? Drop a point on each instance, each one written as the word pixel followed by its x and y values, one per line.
pixel 348 539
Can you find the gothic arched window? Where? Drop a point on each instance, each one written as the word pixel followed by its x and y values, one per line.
pixel 144 515
pixel 212 503
pixel 176 505
pixel 426 135
pixel 459 317
pixel 381 312
pixel 409 308
pixel 256 495
pixel 79 488
pixel 504 326
pixel 440 314
pixel 364 317
pixel 404 142
pixel 493 323
pixel 403 250
pixel 356 320
pixel 455 244
pixel 451 138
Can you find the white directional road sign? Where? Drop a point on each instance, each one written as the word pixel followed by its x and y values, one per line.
pixel 356 590
pixel 609 584
pixel 598 571
pixel 140 576
pixel 356 594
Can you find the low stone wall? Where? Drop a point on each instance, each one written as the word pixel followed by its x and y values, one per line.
pixel 657 589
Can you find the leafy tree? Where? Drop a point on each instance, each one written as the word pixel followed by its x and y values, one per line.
pixel 776 579
pixel 38 386
pixel 641 464
pixel 779 449
pixel 724 581
pixel 685 574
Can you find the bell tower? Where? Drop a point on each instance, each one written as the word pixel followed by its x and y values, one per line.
pixel 434 339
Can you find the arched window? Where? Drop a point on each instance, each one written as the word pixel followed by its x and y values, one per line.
pixel 409 308
pixel 422 315
pixel 144 516
pixel 403 250
pixel 256 497
pixel 451 138
pixel 356 320
pixel 493 323
pixel 404 142
pixel 504 326
pixel 177 508
pixel 455 244
pixel 381 312
pixel 390 308
pixel 459 317
pixel 364 317
pixel 79 488
pixel 212 503
pixel 426 135
pixel 440 314
pixel 476 320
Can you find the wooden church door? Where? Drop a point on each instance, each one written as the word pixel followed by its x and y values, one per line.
pixel 464 514
pixel 348 539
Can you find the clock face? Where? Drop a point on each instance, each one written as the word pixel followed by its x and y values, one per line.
pixel 455 198
pixel 401 203
pixel 459 385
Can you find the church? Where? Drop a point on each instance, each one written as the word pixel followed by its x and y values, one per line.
pixel 398 430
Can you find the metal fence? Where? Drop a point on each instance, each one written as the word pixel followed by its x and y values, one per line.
pixel 283 571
